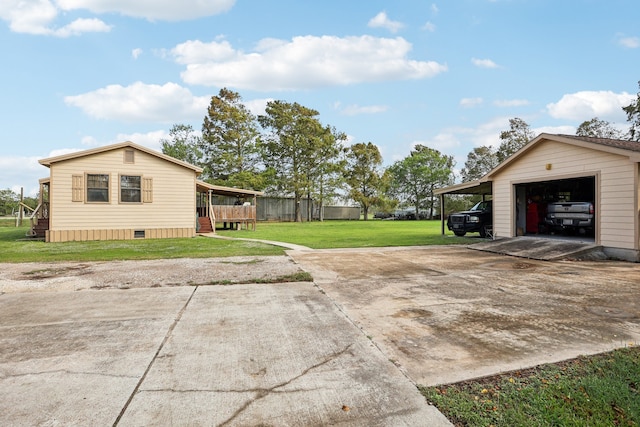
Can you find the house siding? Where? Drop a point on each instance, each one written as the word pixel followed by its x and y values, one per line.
pixel 171 213
pixel 617 205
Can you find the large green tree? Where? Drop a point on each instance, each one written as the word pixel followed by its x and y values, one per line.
pixel 479 162
pixel 518 135
pixel 598 129
pixel 183 144
pixel 633 117
pixel 298 151
pixel 417 176
pixel 8 202
pixel 230 143
pixel 323 165
pixel 364 175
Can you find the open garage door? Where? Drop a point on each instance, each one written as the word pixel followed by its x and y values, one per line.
pixel 564 207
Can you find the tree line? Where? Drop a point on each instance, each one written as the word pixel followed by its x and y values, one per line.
pixel 288 151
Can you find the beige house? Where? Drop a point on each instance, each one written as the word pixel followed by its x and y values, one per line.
pixel 126 191
pixel 603 171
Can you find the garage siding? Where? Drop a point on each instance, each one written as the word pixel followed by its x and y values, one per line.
pixel 172 205
pixel 617 202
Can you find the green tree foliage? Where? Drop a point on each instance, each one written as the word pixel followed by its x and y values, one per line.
pixel 8 202
pixel 364 177
pixel 325 168
pixel 518 135
pixel 633 117
pixel 183 144
pixel 230 143
pixel 417 176
pixel 298 151
pixel 479 162
pixel 598 129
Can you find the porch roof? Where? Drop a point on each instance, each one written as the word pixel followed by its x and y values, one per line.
pixel 220 190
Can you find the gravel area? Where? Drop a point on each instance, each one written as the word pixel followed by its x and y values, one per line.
pixel 33 277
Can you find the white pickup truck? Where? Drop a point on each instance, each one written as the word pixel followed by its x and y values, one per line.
pixel 571 216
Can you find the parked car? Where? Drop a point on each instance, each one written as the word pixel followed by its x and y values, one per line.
pixel 404 214
pixel 382 215
pixel 478 219
pixel 570 216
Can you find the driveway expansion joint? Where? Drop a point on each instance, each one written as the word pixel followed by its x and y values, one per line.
pixel 155 356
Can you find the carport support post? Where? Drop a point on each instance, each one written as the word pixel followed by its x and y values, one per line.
pixel 442 214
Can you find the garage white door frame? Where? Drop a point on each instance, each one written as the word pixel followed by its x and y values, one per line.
pixel 587 174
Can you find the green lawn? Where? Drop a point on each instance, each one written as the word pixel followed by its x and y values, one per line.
pixel 15 247
pixel 600 390
pixel 353 234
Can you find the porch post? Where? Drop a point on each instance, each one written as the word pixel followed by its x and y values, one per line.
pixel 442 214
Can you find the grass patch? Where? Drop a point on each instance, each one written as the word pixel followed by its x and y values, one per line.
pixel 301 276
pixel 600 390
pixel 14 247
pixel 353 234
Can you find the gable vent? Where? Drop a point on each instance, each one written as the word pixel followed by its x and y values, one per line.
pixel 129 156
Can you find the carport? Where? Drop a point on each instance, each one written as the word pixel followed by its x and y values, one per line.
pixel 477 187
pixel 558 168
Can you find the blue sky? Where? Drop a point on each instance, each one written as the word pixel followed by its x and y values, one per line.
pixel 78 74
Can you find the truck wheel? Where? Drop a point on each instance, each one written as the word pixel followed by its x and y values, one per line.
pixel 459 233
pixel 483 231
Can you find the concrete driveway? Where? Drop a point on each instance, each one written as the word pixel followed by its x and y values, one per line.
pixel 125 344
pixel 445 314
pixel 241 355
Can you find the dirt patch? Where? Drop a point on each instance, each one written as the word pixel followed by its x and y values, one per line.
pixel 30 277
pixel 47 273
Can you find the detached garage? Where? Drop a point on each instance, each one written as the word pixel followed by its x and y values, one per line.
pixel 557 169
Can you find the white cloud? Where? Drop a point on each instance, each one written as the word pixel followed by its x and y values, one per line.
pixel 564 130
pixel 354 110
pixel 428 26
pixel 135 53
pixel 434 8
pixel 39 16
pixel 21 172
pixel 381 20
pixel 169 103
pixel 147 139
pixel 80 26
pixel 629 42
pixel 470 102
pixel 484 63
pixel 198 52
pixel 586 105
pixel 304 62
pixel 166 10
pixel 511 103
pixel 257 107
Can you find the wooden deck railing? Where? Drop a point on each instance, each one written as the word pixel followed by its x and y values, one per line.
pixel 234 214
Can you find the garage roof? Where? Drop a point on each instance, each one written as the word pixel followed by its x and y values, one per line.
pixel 483 185
pixel 471 187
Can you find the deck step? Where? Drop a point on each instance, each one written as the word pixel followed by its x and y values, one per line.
pixel 205 225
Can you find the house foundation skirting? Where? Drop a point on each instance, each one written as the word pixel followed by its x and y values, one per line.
pixel 117 234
